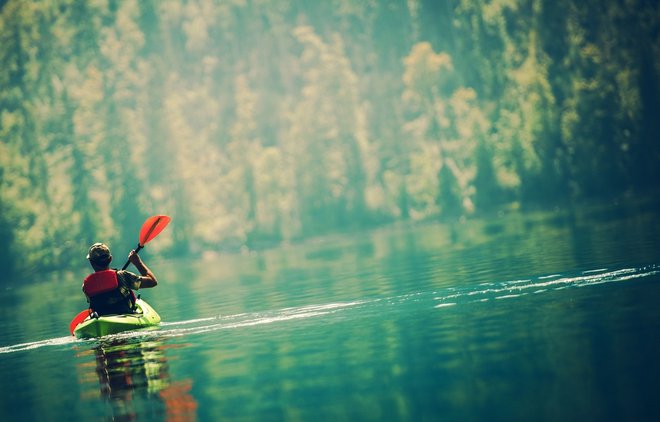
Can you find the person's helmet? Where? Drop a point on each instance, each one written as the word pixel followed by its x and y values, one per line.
pixel 99 253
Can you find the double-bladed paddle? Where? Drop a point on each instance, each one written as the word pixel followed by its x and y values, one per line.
pixel 150 229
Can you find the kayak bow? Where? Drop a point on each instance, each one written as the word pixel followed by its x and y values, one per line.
pixel 145 316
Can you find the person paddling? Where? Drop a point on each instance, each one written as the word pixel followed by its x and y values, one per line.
pixel 110 291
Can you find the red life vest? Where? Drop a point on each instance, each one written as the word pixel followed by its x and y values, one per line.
pixel 100 282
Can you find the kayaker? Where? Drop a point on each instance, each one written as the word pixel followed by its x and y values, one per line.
pixel 110 291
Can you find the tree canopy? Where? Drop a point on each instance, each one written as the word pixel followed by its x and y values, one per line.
pixel 258 121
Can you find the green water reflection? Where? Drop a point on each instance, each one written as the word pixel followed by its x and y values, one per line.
pixel 132 379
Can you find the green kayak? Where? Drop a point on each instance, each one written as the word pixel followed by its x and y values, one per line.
pixel 145 316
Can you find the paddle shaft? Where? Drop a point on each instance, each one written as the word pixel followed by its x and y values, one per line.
pixel 129 261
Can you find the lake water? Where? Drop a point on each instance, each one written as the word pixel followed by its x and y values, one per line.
pixel 536 316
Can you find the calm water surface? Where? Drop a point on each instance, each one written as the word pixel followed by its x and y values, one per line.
pixel 542 316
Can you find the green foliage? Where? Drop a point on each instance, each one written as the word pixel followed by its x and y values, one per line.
pixel 262 121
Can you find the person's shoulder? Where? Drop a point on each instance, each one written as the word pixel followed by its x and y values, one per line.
pixel 123 274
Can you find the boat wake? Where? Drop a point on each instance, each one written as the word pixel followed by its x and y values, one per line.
pixel 59 341
pixel 516 288
pixel 204 325
pixel 445 298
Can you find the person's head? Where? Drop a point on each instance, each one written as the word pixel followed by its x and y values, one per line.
pixel 99 256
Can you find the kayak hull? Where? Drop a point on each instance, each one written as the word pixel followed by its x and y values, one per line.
pixel 145 317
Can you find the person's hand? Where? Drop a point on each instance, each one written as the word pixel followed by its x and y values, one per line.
pixel 134 258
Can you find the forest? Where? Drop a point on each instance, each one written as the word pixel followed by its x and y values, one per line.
pixel 257 122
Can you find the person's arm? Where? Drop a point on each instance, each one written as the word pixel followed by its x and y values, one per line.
pixel 147 279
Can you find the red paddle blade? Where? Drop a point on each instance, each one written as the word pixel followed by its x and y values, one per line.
pixel 152 227
pixel 78 319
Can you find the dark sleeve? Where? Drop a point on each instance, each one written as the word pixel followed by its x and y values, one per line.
pixel 128 279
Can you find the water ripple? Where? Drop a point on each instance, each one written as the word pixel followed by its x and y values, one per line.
pixel 449 297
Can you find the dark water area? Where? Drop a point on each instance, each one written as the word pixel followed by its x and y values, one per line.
pixel 520 316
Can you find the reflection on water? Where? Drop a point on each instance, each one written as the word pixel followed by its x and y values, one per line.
pixel 134 381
